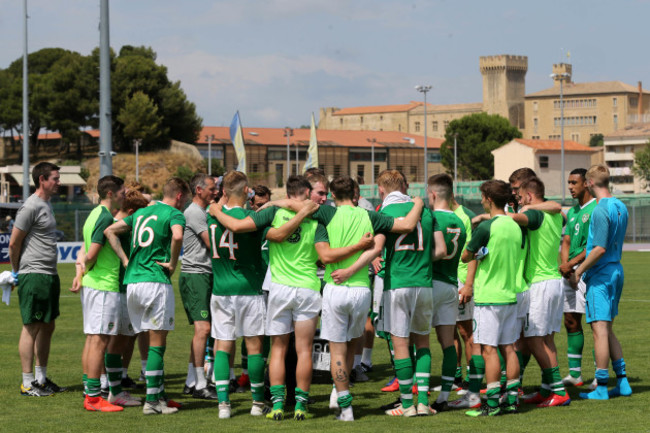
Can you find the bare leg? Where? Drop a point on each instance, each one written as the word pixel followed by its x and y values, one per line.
pixel 201 334
pixel 42 343
pixel 26 345
pixel 304 331
pixel 279 345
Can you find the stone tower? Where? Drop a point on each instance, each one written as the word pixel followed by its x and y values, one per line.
pixel 562 69
pixel 504 86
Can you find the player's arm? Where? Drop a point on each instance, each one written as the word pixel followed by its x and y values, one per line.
pixel 15 246
pixel 329 255
pixel 480 238
pixel 112 233
pixel 279 234
pixel 467 291
pixel 440 250
pixel 286 203
pixel 175 250
pixel 91 257
pixel 476 220
pixel 600 228
pixel 408 223
pixel 342 275
pixel 233 224
pixel 565 269
pixel 205 237
pixel 548 206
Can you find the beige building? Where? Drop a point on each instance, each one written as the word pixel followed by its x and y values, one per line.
pixel 620 147
pixel 543 156
pixel 589 108
pixel 339 153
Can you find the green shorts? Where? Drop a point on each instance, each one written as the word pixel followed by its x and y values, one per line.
pixel 196 290
pixel 38 295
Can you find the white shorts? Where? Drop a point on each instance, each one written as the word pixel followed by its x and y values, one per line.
pixel 523 304
pixel 151 306
pixel 495 324
pixel 445 304
pixel 377 294
pixel 466 310
pixel 574 300
pixel 545 310
pixel 105 313
pixel 407 310
pixel 286 305
pixel 345 310
pixel 237 316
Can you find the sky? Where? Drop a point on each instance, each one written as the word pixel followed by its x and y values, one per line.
pixel 277 61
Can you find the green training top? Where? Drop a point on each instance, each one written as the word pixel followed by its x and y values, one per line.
pixel 578 226
pixel 408 256
pixel 293 261
pixel 465 216
pixel 453 230
pixel 544 235
pixel 151 238
pixel 237 257
pixel 497 279
pixel 345 226
pixel 104 274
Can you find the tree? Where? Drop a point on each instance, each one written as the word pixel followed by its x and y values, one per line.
pixel 596 140
pixel 477 136
pixel 140 119
pixel 641 166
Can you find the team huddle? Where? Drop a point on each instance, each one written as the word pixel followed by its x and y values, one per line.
pixel 279 274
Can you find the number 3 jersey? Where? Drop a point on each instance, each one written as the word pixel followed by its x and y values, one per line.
pixel 453 230
pixel 237 258
pixel 151 237
pixel 408 256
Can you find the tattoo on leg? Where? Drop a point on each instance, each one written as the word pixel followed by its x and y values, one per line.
pixel 341 376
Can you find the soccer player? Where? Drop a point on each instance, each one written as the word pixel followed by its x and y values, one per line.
pixel 546 295
pixel 261 197
pixel 408 296
pixel 33 256
pixel 445 279
pixel 572 254
pixel 517 177
pixel 319 186
pixel 195 281
pixel 604 277
pixel 496 245
pixel 345 305
pixel 106 321
pixel 237 304
pixel 156 241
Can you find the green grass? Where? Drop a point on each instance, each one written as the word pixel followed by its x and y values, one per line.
pixel 64 412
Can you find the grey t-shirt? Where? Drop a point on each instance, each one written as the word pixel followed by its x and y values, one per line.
pixel 196 256
pixel 38 254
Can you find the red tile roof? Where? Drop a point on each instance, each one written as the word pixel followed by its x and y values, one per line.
pixel 570 146
pixel 345 138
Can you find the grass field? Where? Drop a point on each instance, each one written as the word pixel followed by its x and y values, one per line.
pixel 64 412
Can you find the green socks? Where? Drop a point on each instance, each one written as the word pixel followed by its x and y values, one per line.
pixel 556 382
pixel 256 373
pixel 512 391
pixel 277 396
pixel 493 391
pixel 344 399
pixel 93 387
pixel 448 367
pixel 523 362
pixel 154 373
pixel 113 363
pixel 423 374
pixel 84 380
pixel 476 373
pixel 222 375
pixel 404 372
pixel 302 397
pixel 575 345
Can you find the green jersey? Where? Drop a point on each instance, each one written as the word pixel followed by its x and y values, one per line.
pixel 455 234
pixel 345 226
pixel 465 216
pixel 293 261
pixel 151 238
pixel 497 278
pixel 125 241
pixel 544 232
pixel 408 256
pixel 104 274
pixel 237 257
pixel 577 227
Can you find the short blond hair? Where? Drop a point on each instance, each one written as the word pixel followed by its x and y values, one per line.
pixel 599 173
pixel 175 185
pixel 391 180
pixel 234 183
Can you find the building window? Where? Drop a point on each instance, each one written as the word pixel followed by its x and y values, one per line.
pixel 433 156
pixel 414 170
pixel 575 137
pixel 399 127
pixel 543 161
pixel 381 117
pixel 417 126
pixel 434 125
pixel 337 170
pixel 615 122
pixel 400 168
pixel 535 137
pixel 361 119
pixel 254 167
pixel 376 171
pixel 360 170
pixel 535 123
pixel 634 101
pixel 445 124
pixel 535 106
pixel 341 121
pixel 615 102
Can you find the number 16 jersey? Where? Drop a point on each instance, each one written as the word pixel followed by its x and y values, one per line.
pixel 151 237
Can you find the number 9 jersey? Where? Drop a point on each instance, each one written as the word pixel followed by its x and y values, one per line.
pixel 151 238
pixel 237 257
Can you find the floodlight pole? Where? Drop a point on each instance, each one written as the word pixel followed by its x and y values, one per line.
pixel 424 90
pixel 25 110
pixel 288 132
pixel 105 133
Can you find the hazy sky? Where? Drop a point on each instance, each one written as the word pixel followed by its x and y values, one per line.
pixel 279 60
